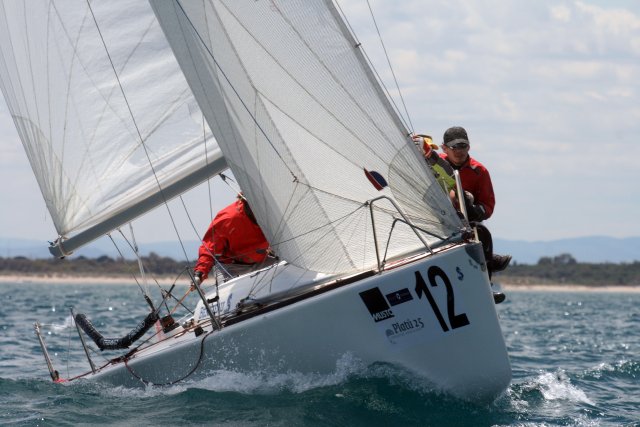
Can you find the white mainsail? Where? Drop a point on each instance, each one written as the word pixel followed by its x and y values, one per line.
pixel 300 120
pixel 104 129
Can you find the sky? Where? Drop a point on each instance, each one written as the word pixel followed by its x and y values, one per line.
pixel 548 91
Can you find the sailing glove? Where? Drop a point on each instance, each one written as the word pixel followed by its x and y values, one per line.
pixel 475 212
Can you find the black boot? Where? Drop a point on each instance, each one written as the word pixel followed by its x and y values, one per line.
pixel 498 297
pixel 498 263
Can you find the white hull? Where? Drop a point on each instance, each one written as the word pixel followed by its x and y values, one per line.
pixel 394 325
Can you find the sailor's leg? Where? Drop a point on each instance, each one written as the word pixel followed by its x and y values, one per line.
pixel 494 262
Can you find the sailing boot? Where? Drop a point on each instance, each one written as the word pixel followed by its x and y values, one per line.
pixel 498 263
pixel 498 297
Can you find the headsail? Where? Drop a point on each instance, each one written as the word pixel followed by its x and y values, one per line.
pixel 83 134
pixel 305 127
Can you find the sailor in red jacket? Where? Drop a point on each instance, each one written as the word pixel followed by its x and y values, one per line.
pixel 478 189
pixel 235 239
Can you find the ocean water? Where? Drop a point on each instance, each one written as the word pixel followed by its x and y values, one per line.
pixel 575 359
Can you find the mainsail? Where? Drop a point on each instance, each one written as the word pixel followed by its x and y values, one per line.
pixel 109 132
pixel 306 130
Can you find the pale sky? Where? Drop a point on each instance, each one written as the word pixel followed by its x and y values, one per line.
pixel 548 91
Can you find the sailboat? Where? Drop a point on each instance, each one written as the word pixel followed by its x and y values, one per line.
pixel 375 262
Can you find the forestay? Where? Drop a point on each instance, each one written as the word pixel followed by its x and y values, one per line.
pixel 100 152
pixel 301 120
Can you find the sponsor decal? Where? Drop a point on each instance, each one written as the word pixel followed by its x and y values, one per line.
pixel 399 329
pixel 376 304
pixel 398 297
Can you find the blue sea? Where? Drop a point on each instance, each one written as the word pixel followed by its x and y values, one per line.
pixel 575 359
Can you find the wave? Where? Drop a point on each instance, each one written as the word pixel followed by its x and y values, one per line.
pixel 623 369
pixel 549 386
pixel 353 394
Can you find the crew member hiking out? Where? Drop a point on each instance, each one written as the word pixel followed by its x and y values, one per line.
pixel 479 197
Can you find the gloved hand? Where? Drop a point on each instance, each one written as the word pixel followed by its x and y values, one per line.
pixel 197 274
pixel 468 198
pixel 475 212
pixel 424 142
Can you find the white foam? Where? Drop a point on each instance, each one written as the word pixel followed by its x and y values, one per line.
pixel 256 382
pixel 557 386
pixel 59 327
pixel 270 382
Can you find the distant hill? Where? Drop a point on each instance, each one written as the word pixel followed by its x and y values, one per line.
pixel 35 249
pixel 596 249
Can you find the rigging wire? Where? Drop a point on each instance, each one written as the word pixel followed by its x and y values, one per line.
pixel 206 156
pixel 407 122
pixel 375 23
pixel 135 124
pixel 136 251
pixel 217 263
pixel 69 348
pixel 146 296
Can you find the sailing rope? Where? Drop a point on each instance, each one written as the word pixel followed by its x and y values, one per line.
pixel 188 374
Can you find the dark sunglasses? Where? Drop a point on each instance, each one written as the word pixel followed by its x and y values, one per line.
pixel 459 146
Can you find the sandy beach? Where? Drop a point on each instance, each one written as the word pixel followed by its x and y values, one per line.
pixel 78 280
pixel 168 281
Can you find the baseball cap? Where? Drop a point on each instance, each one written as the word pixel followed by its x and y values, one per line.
pixel 454 136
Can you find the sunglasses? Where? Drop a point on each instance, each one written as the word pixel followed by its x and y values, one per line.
pixel 458 146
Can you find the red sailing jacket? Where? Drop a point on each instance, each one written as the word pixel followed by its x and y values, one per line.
pixel 233 238
pixel 477 181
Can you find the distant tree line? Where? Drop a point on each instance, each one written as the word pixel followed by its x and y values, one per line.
pixel 101 266
pixel 559 269
pixel 565 269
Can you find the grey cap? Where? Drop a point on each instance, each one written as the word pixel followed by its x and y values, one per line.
pixel 455 135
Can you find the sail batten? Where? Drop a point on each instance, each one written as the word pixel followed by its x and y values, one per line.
pixel 107 120
pixel 303 124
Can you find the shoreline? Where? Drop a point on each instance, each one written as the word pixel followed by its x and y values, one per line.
pixel 168 281
pixel 89 280
pixel 561 287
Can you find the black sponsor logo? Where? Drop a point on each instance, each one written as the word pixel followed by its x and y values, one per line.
pixel 398 297
pixel 376 304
